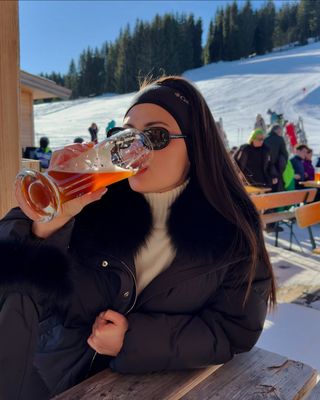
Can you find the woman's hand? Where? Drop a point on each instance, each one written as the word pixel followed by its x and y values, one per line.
pixel 108 333
pixel 67 211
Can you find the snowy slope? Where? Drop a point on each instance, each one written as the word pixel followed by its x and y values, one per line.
pixel 287 82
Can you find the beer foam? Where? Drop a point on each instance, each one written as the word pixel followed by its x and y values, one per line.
pixel 112 168
pixel 96 160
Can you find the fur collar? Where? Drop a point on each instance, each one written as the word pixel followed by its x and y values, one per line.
pixel 122 220
pixel 41 272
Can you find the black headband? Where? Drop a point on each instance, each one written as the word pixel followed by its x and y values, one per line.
pixel 173 101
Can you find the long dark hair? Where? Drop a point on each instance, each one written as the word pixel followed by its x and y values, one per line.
pixel 219 181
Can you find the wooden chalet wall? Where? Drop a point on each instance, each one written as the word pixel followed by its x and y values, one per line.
pixel 10 149
pixel 26 119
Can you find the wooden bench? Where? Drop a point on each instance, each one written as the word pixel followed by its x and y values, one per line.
pixel 267 204
pixel 258 374
pixel 307 216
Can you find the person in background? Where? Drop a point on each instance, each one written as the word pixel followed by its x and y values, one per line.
pixel 279 154
pixel 93 130
pixel 254 160
pixel 273 116
pixel 78 139
pixel 297 162
pixel 259 123
pixel 308 167
pixel 43 153
pixel 288 177
pixel 168 269
pixel 111 124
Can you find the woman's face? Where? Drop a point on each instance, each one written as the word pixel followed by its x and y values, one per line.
pixel 258 141
pixel 169 167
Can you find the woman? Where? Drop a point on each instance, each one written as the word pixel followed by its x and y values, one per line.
pixel 260 124
pixel 169 269
pixel 254 160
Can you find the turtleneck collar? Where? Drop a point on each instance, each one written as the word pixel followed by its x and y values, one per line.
pixel 160 204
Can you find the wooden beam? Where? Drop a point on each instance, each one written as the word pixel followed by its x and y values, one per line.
pixel 10 152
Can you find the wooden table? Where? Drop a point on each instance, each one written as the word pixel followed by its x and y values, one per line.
pixel 314 394
pixel 256 190
pixel 32 164
pixel 257 375
pixel 314 184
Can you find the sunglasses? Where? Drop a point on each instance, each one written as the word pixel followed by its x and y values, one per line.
pixel 159 137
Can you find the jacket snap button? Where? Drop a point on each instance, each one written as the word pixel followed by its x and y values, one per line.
pixel 126 294
pixel 104 263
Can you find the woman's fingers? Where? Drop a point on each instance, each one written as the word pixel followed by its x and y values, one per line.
pixel 114 317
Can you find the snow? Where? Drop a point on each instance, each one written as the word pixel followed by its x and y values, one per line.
pixel 285 81
pixel 293 331
pixel 293 328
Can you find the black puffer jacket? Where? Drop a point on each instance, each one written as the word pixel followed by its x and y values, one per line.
pixel 278 150
pixel 258 171
pixel 191 315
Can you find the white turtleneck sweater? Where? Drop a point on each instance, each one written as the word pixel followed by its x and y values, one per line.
pixel 157 253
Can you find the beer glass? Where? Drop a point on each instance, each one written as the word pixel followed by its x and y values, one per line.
pixel 79 169
pixel 317 175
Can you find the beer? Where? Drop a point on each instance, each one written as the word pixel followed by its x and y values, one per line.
pixel 317 176
pixel 76 184
pixel 43 194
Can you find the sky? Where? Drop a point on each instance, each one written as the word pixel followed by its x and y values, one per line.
pixel 54 32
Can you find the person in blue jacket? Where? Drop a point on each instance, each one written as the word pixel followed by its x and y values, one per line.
pixel 43 153
pixel 298 165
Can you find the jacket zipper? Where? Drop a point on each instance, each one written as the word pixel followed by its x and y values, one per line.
pixel 127 312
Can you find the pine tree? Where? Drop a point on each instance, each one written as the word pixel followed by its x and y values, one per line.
pixel 308 20
pixel 110 67
pixel 184 43
pixel 143 49
pixel 285 30
pixel 247 26
pixel 208 53
pixel 125 78
pixel 226 34
pixel 233 42
pixel 263 36
pixel 71 79
pixel 218 48
pixel 197 46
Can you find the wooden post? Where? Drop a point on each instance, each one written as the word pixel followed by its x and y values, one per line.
pixel 10 152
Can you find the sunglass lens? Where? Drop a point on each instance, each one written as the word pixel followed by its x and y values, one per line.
pixel 159 137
